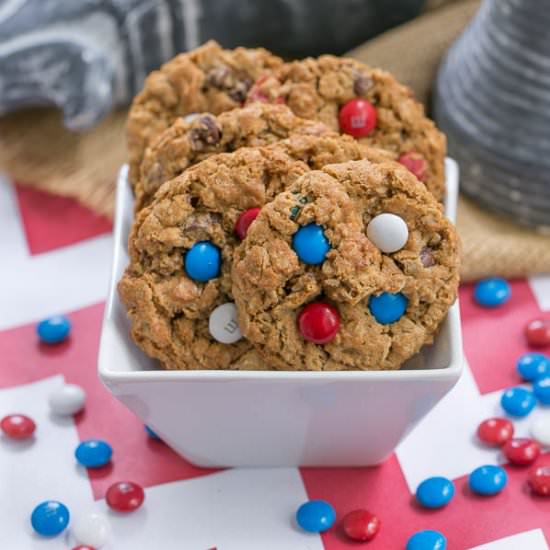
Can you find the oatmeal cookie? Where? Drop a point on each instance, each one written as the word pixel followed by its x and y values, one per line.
pixel 181 249
pixel 187 142
pixel 368 103
pixel 207 79
pixel 353 267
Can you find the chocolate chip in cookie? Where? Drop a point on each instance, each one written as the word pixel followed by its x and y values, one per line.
pixel 239 90
pixel 362 84
pixel 207 133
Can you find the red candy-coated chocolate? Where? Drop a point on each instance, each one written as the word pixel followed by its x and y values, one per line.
pixel 537 332
pixel 125 496
pixel 361 525
pixel 495 431
pixel 319 322
pixel 244 220
pixel 84 548
pixel 17 426
pixel 357 117
pixel 521 451
pixel 415 163
pixel 539 480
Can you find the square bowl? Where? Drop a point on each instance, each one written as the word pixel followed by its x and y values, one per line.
pixel 274 418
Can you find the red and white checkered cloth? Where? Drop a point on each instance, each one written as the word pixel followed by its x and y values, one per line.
pixel 56 259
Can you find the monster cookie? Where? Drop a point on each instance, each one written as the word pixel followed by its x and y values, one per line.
pixel 187 142
pixel 364 102
pixel 207 79
pixel 352 267
pixel 177 288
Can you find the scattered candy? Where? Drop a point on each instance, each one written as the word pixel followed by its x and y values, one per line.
pixel 151 433
pixel 67 400
pixel 54 329
pixel 244 220
pixel 223 325
pixel 540 430
pixel 531 366
pixel 319 322
pixel 388 308
pixel 125 496
pixel 539 480
pixel 427 540
pixel 541 389
pixel 537 332
pixel 388 232
pixel 488 480
pixel 415 163
pixel 521 451
pixel 361 525
pixel 310 244
pixel 93 453
pixel 495 431
pixel 91 529
pixel 518 401
pixel 435 492
pixel 315 516
pixel 202 261
pixel 17 426
pixel 50 518
pixel 357 118
pixel 492 292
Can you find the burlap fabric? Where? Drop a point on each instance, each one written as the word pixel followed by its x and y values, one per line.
pixel 36 149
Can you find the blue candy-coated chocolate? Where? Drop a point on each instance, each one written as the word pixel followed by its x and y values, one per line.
pixel 427 540
pixel 54 329
pixel 50 518
pixel 311 244
pixel 315 516
pixel 518 401
pixel 388 308
pixel 541 389
pixel 488 480
pixel 203 261
pixel 492 292
pixel 531 366
pixel 435 492
pixel 93 453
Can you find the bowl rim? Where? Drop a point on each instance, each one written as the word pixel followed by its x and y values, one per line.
pixel 107 375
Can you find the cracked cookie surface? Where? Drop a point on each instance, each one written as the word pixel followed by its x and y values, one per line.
pixel 207 79
pixel 318 88
pixel 185 142
pixel 271 285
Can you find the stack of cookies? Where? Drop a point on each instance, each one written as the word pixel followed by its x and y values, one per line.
pixel 287 216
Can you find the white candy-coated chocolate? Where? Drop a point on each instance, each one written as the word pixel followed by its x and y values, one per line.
pixel 223 324
pixel 388 232
pixel 67 400
pixel 91 529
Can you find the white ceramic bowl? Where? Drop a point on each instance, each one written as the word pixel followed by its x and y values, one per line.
pixel 269 418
